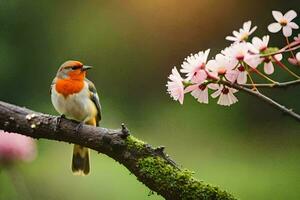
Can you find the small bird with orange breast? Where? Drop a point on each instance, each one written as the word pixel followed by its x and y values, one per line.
pixel 76 98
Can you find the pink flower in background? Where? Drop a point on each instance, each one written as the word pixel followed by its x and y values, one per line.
pixel 175 86
pixel 194 66
pixel 260 46
pixel 15 147
pixel 284 22
pixel 243 34
pixel 297 38
pixel 225 94
pixel 296 60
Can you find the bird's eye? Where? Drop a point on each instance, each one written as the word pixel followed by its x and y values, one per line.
pixel 75 67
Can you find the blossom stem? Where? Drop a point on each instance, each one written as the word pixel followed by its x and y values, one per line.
pixel 285 49
pixel 263 97
pixel 252 82
pixel 264 76
pixel 289 47
pixel 285 68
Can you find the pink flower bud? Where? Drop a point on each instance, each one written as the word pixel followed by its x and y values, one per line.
pixel 15 147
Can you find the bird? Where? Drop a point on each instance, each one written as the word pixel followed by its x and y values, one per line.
pixel 75 97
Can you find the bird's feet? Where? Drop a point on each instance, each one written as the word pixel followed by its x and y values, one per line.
pixel 57 122
pixel 78 127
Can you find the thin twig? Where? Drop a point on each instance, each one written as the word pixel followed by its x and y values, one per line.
pixel 273 85
pixel 285 67
pixel 289 47
pixel 284 49
pixel 266 99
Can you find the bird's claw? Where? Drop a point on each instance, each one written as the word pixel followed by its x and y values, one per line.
pixel 78 127
pixel 58 121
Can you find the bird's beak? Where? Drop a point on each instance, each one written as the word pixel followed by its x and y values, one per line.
pixel 85 67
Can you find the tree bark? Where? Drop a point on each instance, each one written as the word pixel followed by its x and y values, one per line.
pixel 151 166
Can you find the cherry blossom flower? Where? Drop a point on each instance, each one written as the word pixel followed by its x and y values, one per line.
pixel 15 147
pixel 296 60
pixel 243 34
pixel 225 94
pixel 284 22
pixel 199 90
pixel 175 86
pixel 223 66
pixel 241 52
pixel 194 65
pixel 297 38
pixel 260 46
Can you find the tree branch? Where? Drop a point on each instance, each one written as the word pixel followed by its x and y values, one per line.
pixel 266 99
pixel 150 165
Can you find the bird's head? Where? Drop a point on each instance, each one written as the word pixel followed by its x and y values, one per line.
pixel 72 69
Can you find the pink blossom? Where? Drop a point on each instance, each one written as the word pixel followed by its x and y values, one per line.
pixel 297 38
pixel 175 86
pixel 194 65
pixel 284 22
pixel 243 34
pixel 198 90
pixel 223 66
pixel 15 147
pixel 241 52
pixel 225 94
pixel 260 46
pixel 296 60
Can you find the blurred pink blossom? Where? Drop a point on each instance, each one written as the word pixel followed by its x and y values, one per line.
pixel 296 60
pixel 15 147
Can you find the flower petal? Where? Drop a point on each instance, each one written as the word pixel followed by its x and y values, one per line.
pixel 242 78
pixel 293 25
pixel 269 68
pixel 278 57
pixel 293 61
pixel 231 38
pixel 298 56
pixel 274 27
pixel 231 75
pixel 277 15
pixel 290 15
pixel 191 88
pixel 287 31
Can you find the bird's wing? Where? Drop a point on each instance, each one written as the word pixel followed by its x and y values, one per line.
pixel 52 84
pixel 95 99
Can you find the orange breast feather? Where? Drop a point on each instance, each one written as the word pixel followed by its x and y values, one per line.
pixel 68 86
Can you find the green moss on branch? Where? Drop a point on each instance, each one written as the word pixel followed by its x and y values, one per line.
pixel 178 181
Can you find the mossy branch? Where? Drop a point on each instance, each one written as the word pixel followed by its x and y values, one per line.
pixel 150 165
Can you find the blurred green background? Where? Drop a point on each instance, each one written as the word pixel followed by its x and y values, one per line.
pixel 249 149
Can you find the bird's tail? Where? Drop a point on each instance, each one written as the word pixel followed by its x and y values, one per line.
pixel 80 160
